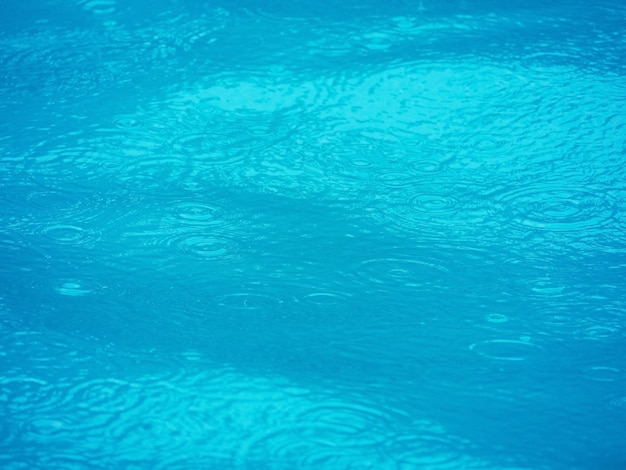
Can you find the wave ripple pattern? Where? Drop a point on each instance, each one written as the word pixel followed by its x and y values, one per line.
pixel 277 235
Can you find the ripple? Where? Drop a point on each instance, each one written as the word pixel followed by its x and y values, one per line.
pixel 551 63
pixel 395 179
pixel 427 450
pixel 209 246
pixel 333 433
pixel 98 7
pixel 348 424
pixel 285 449
pixel 560 321
pixel 202 230
pixel 395 271
pixel 141 418
pixel 218 217
pixel 69 234
pixel 56 199
pixel 153 366
pixel 325 298
pixel 460 206
pixel 199 213
pixel 60 65
pixel 559 208
pixel 8 435
pixel 47 427
pixel 598 332
pixel 155 172
pixel 75 288
pixel 104 396
pixel 26 395
pixel 77 168
pixel 206 412
pixel 281 170
pixel 360 163
pixel 434 203
pixel 206 150
pixel 490 144
pixel 427 166
pixel 45 458
pixel 49 354
pixel 506 350
pixel 154 433
pixel 127 121
pixel 603 323
pixel 248 301
pixel 602 374
pixel 170 243
pixel 497 318
pixel 618 403
pixel 350 157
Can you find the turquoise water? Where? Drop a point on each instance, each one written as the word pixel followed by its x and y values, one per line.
pixel 279 235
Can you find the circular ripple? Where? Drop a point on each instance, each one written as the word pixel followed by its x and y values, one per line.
pixel 598 332
pixel 434 203
pixel 333 434
pixel 126 121
pixel 215 150
pixel 28 395
pixel 198 213
pixel 152 172
pixel 203 246
pixel 49 427
pixel 155 418
pixel 190 244
pixel 458 207
pixel 426 451
pixel 559 208
pixel 426 166
pixel 324 298
pixel 488 144
pixel 69 234
pixel 506 350
pixel 104 396
pixel 150 430
pixel 343 424
pixel 400 271
pixel 561 322
pixel 214 217
pixel 497 318
pixel 602 374
pixel 74 288
pixel 395 179
pixel 351 156
pixel 49 199
pixel 603 323
pixel 61 66
pixel 289 450
pixel 76 167
pixel 360 163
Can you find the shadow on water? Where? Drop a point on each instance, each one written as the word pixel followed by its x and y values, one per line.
pixel 313 292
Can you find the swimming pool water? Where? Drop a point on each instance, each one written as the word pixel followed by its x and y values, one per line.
pixel 278 235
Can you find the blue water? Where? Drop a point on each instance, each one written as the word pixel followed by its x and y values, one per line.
pixel 307 234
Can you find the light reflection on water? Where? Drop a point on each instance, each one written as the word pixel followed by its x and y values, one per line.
pixel 271 236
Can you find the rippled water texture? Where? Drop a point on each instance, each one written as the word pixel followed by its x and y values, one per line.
pixel 279 235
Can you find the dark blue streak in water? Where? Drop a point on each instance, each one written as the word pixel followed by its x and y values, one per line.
pixel 286 235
